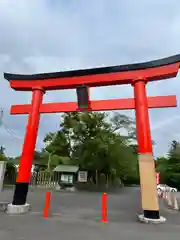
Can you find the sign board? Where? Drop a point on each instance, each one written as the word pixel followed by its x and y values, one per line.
pixel 157 178
pixel 82 97
pixel 82 176
pixel 67 178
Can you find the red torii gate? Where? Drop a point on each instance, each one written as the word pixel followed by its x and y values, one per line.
pixel 135 74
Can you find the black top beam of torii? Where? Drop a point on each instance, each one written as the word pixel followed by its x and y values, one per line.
pixel 93 71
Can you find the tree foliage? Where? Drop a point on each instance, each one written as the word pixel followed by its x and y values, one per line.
pixel 95 143
pixel 100 143
pixel 2 154
pixel 169 166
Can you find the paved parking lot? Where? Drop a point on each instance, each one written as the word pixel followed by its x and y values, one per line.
pixel 77 215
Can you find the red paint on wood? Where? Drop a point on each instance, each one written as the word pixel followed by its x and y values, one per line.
pixel 30 137
pixel 142 118
pixel 94 80
pixel 100 105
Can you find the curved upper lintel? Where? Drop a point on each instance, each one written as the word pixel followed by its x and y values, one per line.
pixel 94 71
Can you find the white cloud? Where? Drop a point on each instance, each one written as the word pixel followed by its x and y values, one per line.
pixel 46 36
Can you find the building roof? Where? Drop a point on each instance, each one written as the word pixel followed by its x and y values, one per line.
pixel 66 168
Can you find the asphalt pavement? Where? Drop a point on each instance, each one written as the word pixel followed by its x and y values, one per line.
pixel 77 215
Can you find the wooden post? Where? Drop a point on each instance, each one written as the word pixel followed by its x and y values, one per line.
pixel 24 174
pixel 146 160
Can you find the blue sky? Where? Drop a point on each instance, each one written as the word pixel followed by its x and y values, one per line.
pixel 47 36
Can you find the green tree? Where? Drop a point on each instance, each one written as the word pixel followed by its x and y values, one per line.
pixel 94 142
pixel 169 167
pixel 2 154
pixel 57 143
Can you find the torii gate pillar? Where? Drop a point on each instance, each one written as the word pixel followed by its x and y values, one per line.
pixel 24 174
pixel 149 197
